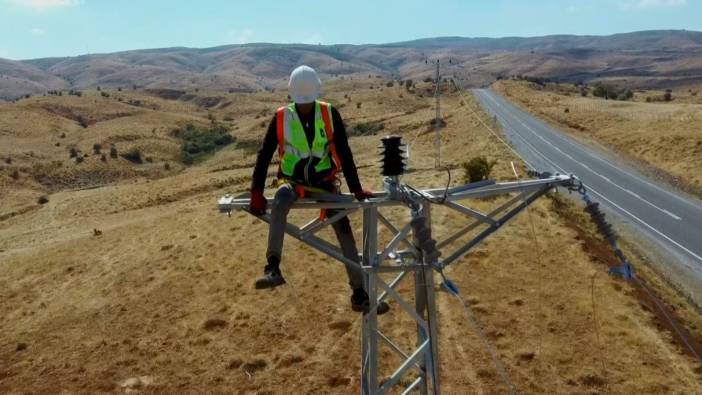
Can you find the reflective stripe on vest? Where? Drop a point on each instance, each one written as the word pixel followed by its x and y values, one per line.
pixel 292 140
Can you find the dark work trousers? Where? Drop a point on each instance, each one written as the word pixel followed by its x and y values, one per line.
pixel 284 199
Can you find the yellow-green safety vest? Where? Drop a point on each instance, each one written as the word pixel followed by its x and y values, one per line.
pixel 293 146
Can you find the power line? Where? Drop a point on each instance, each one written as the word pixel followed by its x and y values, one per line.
pixel 494 133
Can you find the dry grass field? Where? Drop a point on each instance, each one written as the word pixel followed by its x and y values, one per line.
pixel 665 137
pixel 128 280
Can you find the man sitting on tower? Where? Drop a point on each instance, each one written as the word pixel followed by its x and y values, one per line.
pixel 312 145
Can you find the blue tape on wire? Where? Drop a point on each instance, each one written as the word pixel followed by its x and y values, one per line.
pixel 450 286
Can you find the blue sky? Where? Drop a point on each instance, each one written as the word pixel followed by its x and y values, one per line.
pixel 42 28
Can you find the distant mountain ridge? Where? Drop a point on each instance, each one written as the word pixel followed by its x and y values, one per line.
pixel 643 59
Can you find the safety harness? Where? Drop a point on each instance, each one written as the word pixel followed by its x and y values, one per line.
pixel 293 146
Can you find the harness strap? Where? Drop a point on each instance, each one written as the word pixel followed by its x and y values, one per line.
pixel 302 190
pixel 324 108
pixel 280 128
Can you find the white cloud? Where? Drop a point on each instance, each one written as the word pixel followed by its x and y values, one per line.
pixel 647 4
pixel 240 36
pixel 37 31
pixel 43 5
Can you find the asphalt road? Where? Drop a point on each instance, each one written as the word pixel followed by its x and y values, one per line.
pixel 670 221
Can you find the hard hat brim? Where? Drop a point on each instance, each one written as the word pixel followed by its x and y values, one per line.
pixel 304 99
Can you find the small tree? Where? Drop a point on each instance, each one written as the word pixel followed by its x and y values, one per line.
pixel 626 94
pixel 668 96
pixel 601 90
pixel 73 152
pixel 113 151
pixel 478 169
pixel 133 155
pixel 96 148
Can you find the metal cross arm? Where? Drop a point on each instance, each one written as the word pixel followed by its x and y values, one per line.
pixel 385 265
pixel 477 190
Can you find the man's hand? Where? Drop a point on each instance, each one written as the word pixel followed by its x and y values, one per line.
pixel 362 194
pixel 258 202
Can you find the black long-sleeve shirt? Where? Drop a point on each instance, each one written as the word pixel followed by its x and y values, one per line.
pixel 270 145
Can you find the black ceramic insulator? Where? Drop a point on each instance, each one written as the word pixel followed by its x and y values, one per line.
pixel 393 160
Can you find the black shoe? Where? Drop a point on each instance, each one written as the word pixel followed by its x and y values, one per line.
pixel 270 279
pixel 361 303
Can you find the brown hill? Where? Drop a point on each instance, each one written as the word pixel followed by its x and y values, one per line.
pixel 643 59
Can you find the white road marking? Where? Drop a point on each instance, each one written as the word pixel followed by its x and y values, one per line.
pixel 645 224
pixel 623 210
pixel 615 167
pixel 664 211
pixel 632 193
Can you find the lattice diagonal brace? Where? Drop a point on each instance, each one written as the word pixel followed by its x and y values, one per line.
pixel 421 256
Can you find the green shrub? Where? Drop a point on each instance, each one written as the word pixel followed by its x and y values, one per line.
pixel 478 169
pixel 96 148
pixel 133 155
pixel 113 151
pixel 82 121
pixel 626 94
pixel 668 96
pixel 612 93
pixel 198 142
pixel 604 91
pixel 365 129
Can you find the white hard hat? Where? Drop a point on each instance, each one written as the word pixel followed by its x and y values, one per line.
pixel 304 85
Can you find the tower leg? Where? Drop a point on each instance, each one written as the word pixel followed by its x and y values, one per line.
pixel 433 329
pixel 420 304
pixel 369 362
pixel 426 307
